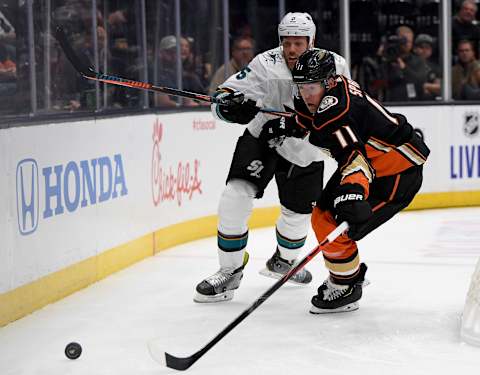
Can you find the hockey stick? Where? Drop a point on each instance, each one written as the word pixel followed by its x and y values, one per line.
pixel 183 363
pixel 88 72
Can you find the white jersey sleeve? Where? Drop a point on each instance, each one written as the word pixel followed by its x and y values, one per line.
pixel 300 151
pixel 268 81
pixel 251 80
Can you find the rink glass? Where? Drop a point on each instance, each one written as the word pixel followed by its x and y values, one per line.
pixel 123 37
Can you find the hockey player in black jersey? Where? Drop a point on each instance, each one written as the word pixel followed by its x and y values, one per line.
pixel 380 160
pixel 296 165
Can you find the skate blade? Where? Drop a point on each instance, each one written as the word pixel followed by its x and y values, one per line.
pixel 221 297
pixel 275 275
pixel 350 307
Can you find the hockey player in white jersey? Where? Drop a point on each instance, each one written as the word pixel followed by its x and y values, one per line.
pixel 262 153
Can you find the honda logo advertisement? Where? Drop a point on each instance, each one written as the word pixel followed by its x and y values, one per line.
pixel 46 191
pixel 27 196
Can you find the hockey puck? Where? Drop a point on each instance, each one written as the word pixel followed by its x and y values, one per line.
pixel 73 350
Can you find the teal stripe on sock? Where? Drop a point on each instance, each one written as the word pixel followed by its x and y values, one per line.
pixel 232 243
pixel 289 244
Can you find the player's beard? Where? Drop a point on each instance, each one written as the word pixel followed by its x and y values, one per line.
pixel 290 60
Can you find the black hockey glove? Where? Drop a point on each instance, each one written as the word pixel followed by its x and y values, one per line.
pixel 233 107
pixel 275 131
pixel 350 205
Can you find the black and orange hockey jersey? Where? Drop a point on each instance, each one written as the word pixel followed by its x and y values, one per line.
pixel 360 134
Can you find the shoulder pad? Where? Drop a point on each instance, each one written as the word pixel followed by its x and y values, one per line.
pixel 341 65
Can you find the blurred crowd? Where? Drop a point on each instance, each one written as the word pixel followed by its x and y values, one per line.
pixel 406 65
pixel 8 66
pixel 403 65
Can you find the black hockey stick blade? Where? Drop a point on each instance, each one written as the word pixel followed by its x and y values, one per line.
pixel 179 363
pixel 80 63
pixel 168 360
pixel 183 363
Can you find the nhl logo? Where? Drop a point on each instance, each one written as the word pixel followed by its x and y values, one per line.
pixel 471 124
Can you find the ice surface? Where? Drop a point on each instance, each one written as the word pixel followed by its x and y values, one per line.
pixel 420 265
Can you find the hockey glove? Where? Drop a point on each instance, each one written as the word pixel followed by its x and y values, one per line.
pixel 350 205
pixel 275 131
pixel 233 107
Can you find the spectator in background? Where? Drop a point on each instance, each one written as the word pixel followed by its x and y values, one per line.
pixel 423 48
pixel 8 66
pixel 188 60
pixel 405 72
pixel 193 65
pixel 117 21
pixel 8 72
pixel 7 31
pixel 466 73
pixel 167 75
pixel 464 26
pixel 242 54
pixel 70 90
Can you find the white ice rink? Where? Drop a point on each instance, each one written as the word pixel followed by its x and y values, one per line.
pixel 420 264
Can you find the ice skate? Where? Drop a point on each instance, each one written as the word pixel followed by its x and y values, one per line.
pixel 221 285
pixel 334 298
pixel 277 267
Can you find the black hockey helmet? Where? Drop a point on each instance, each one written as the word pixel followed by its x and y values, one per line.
pixel 315 65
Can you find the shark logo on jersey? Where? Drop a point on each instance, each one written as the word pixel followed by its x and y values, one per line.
pixel 272 57
pixel 327 102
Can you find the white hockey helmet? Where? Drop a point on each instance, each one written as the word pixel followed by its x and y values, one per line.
pixel 297 24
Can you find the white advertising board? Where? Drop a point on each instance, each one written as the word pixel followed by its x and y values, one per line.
pixel 5 216
pixel 71 191
pixel 75 190
pixel 453 135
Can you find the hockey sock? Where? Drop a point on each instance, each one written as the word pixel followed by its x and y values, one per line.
pixel 292 229
pixel 231 249
pixel 235 207
pixel 343 271
pixel 288 248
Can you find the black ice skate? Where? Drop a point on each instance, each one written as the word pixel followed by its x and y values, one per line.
pixel 333 298
pixel 220 286
pixel 277 267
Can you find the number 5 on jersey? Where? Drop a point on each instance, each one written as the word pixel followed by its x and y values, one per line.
pixel 243 73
